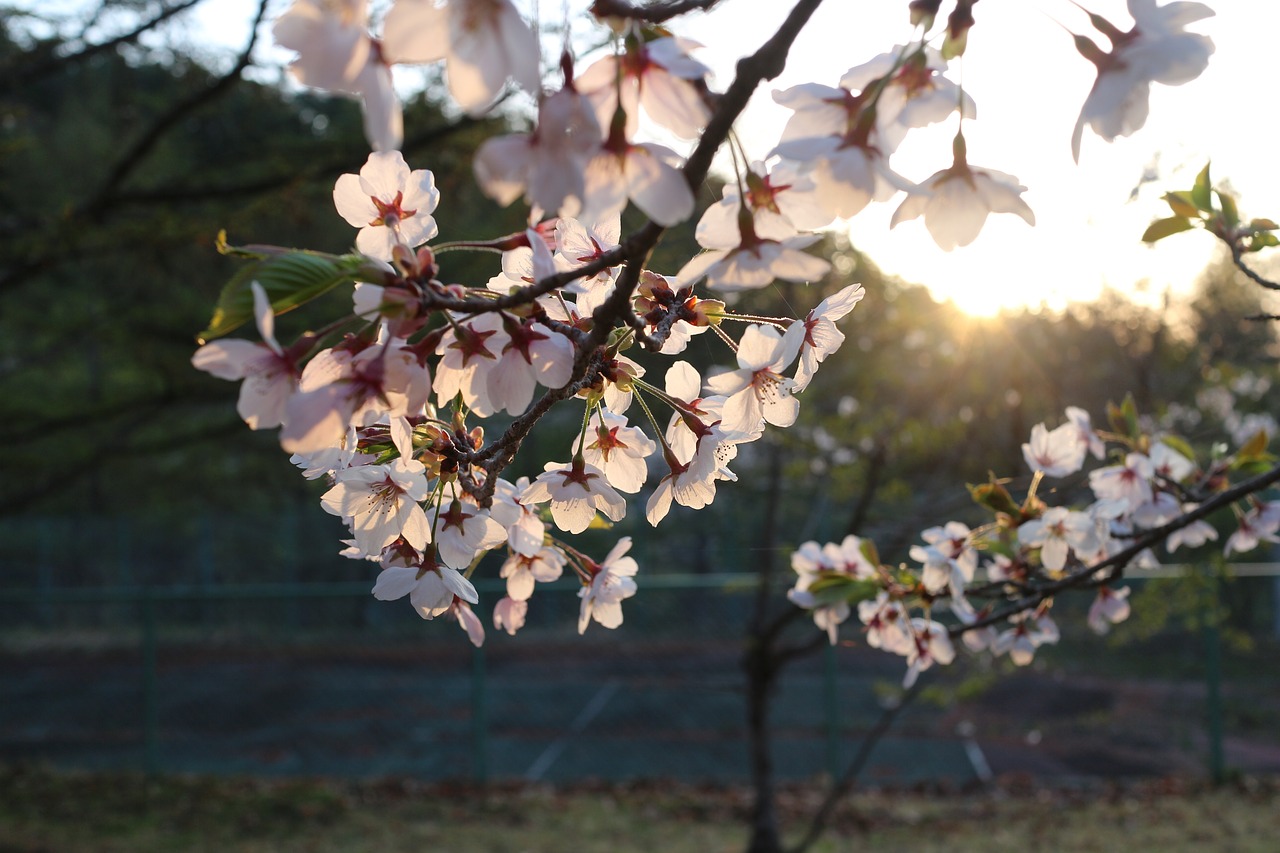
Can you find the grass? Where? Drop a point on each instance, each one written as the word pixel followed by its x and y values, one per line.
pixel 47 810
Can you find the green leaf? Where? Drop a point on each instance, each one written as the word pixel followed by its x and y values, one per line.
pixel 1230 214
pixel 1129 409
pixel 1202 192
pixel 994 497
pixel 1252 449
pixel 868 549
pixel 1179 444
pixel 1162 228
pixel 289 279
pixel 837 587
pixel 1181 204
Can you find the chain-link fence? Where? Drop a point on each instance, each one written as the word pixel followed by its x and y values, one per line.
pixel 113 654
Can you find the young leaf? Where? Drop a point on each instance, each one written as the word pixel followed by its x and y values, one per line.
pixel 289 279
pixel 1162 228
pixel 1202 192
pixel 1181 204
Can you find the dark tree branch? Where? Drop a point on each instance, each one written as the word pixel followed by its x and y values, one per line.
pixel 1237 257
pixel 23 76
pixel 654 12
pixel 138 152
pixel 841 787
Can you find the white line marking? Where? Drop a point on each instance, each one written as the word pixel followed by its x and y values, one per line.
pixel 557 747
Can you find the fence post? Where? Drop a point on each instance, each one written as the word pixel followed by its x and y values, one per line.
pixel 1213 682
pixel 831 706
pixel 150 685
pixel 479 719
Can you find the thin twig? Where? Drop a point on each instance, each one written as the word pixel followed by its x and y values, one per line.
pixel 841 787
pixel 1237 256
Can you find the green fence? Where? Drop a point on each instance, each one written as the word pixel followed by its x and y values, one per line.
pixel 126 667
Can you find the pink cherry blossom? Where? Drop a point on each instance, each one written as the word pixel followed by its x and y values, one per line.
pixel 509 615
pixel 483 43
pixel 1111 607
pixel 1156 50
pixel 336 53
pixel 757 390
pixel 818 334
pixel 431 588
pixel 1056 454
pixel 547 165
pixel 270 375
pixel 618 450
pixel 576 491
pixel 389 204
pixel 612 582
pixel 521 572
pixel 657 75
pixel 955 202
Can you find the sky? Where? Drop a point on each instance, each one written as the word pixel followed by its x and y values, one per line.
pixel 1029 83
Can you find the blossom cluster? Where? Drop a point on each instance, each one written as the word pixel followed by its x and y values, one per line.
pixel 1150 495
pixel 390 403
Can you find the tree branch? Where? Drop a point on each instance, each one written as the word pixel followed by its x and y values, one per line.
pixel 140 149
pixel 655 12
pixel 1112 568
pixel 841 787
pixel 22 77
pixel 1237 257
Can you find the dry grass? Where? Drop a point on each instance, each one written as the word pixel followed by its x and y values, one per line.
pixel 43 810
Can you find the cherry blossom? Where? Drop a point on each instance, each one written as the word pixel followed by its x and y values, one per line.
pixel 464 530
pixel 818 334
pixel 389 204
pixel 657 75
pixel 468 621
pixel 576 491
pixel 484 43
pixel 757 391
pixel 1155 50
pixel 644 174
pixel 521 572
pixel 547 165
pixel 509 615
pixel 915 93
pixel 336 53
pixel 270 374
pixel 930 644
pixel 1026 633
pixel 955 202
pixel 611 583
pixel 618 450
pixel 1058 531
pixel 382 501
pixel 1129 482
pixel 1058 453
pixel 1111 607
pixel 431 588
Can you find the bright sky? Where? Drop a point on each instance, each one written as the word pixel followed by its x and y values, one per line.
pixel 1029 83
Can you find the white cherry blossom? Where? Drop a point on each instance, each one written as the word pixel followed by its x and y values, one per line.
pixel 388 203
pixel 818 334
pixel 483 43
pixel 955 202
pixel 270 375
pixel 1156 50
pixel 757 391
pixel 576 491
pixel 612 582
